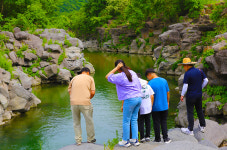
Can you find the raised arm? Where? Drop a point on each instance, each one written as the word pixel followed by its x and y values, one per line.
pixel 114 70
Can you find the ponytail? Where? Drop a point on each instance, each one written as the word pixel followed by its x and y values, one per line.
pixel 124 69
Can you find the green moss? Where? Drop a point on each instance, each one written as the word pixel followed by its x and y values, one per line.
pixel 66 42
pixel 50 42
pixel 151 34
pixel 61 58
pixel 44 42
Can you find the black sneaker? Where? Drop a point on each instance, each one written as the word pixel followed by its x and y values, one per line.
pixel 92 141
pixel 167 140
pixel 157 141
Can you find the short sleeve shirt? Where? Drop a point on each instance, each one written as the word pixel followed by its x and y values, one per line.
pixel 146 105
pixel 194 78
pixel 80 88
pixel 160 88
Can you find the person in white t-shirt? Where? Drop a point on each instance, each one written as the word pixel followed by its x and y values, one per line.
pixel 145 110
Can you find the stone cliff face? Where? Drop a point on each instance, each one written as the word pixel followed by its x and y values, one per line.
pixel 49 56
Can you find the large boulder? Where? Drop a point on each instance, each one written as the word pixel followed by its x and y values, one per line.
pixel 4 101
pixel 53 48
pixel 73 53
pixel 176 135
pixel 34 101
pixel 22 35
pixel 34 42
pixel 51 70
pixel 18 104
pixel 71 64
pixel 219 46
pixel 183 145
pixel 76 42
pixel 7 115
pixel 181 118
pixel 29 56
pixel 157 51
pixel 24 79
pixel 137 46
pixel 214 133
pixel 212 108
pixel 169 37
pixel 14 58
pixel 64 76
pixel 217 72
pixel 5 76
pixel 170 53
pixel 178 26
pixel 18 90
pixel 90 66
pixel 55 34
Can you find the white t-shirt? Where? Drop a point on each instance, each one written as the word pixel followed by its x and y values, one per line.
pixel 147 91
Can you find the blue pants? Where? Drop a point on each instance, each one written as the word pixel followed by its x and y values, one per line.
pixel 130 115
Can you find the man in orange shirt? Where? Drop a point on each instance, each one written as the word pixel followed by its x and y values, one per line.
pixel 81 90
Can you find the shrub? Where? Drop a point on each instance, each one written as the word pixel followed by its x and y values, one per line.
pixel 61 58
pixel 66 42
pixel 5 63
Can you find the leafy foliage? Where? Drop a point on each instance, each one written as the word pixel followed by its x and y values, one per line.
pixel 111 143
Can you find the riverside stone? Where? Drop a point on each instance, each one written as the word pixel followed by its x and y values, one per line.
pixel 24 79
pixel 208 143
pixel 36 81
pixel 35 101
pixel 34 42
pixel 53 48
pixel 7 115
pixel 157 51
pixel 169 37
pixel 212 108
pixel 13 57
pixel 71 65
pixel 17 89
pixel 5 76
pixel 1 109
pixel 73 53
pixel 44 64
pixel 185 145
pixel 64 76
pixel 4 101
pixel 51 70
pixel 9 46
pixel 219 46
pixel 214 132
pixel 29 56
pixel 76 42
pixel 21 35
pixel 18 104
pixel 177 135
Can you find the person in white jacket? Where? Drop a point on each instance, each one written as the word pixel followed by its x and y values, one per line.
pixel 145 110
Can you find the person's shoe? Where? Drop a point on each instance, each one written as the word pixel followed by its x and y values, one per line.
pixel 124 143
pixel 135 142
pixel 147 139
pixel 78 143
pixel 187 131
pixel 157 141
pixel 167 141
pixel 143 140
pixel 92 141
pixel 202 129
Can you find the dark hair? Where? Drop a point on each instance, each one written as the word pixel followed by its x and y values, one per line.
pixel 85 69
pixel 149 71
pixel 124 69
pixel 139 75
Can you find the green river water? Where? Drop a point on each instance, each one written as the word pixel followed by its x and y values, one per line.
pixel 50 125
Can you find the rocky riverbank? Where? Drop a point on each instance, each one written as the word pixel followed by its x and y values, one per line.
pixel 45 56
pixel 210 140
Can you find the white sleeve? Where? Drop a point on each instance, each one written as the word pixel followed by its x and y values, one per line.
pixel 151 90
pixel 205 81
pixel 184 89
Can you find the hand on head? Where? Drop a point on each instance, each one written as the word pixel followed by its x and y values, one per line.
pixel 119 65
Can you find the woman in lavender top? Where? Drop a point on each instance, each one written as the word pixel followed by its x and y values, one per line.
pixel 129 92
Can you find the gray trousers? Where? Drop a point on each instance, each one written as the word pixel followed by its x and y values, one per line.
pixel 87 111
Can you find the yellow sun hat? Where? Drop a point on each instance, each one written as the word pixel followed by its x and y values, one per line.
pixel 187 61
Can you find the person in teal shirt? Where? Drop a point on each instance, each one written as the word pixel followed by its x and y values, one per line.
pixel 161 104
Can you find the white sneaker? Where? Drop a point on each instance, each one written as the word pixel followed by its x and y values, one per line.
pixel 134 142
pixel 187 131
pixel 124 143
pixel 148 139
pixel 202 129
pixel 143 140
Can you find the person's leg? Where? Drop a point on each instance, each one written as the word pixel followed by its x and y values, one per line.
pixel 136 103
pixel 199 110
pixel 88 116
pixel 156 125
pixel 127 113
pixel 76 122
pixel 148 125
pixel 141 125
pixel 190 113
pixel 164 115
